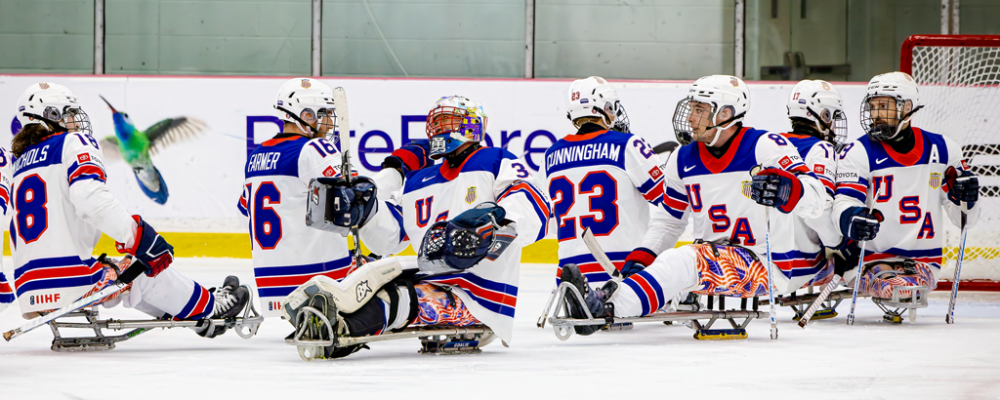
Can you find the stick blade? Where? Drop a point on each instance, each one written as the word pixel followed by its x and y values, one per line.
pixel 343 118
pixel 598 252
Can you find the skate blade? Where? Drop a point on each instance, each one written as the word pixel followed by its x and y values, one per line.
pixel 624 326
pixel 721 334
pixel 821 314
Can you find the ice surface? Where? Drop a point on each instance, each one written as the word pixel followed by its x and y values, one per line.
pixel 871 360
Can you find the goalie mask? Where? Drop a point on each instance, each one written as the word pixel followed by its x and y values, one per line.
pixel 464 241
pixel 309 104
pixel 890 102
pixel 708 98
pixel 594 97
pixel 819 104
pixel 51 103
pixel 454 121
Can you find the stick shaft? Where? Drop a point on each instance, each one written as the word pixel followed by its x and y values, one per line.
pixel 344 137
pixel 950 317
pixel 823 294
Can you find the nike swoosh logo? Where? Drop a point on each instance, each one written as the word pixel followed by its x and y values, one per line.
pixel 427 179
pixel 881 161
pixel 686 169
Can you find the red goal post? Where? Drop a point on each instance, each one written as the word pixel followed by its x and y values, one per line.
pixel 959 83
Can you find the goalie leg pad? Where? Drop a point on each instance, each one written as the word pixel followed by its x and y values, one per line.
pixel 351 293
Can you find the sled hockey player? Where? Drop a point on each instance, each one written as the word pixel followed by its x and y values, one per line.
pixel 286 252
pixel 61 206
pixel 6 272
pixel 905 175
pixel 709 180
pixel 600 178
pixel 468 217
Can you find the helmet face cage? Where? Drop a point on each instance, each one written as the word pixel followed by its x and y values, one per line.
pixel 889 128
pixel 71 118
pixel 324 125
pixel 621 118
pixel 682 126
pixel 838 135
pixel 449 127
pixel 832 125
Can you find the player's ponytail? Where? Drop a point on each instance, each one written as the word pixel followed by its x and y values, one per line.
pixel 32 134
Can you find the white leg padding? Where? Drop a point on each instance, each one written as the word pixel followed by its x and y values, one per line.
pixel 353 291
pixel 167 293
pixel 673 272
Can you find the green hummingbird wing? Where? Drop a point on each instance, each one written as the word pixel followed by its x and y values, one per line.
pixel 172 130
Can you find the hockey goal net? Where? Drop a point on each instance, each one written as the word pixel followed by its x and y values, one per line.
pixel 959 81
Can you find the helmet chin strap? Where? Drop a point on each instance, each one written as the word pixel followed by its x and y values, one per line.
pixel 299 122
pixel 719 128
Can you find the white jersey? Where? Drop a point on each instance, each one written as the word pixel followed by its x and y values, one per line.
pixel 807 265
pixel 715 192
pixel 604 181
pixel 908 189
pixel 286 252
pixel 439 193
pixel 6 181
pixel 61 206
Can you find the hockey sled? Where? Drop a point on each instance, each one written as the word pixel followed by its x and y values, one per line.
pixel 562 323
pixel 894 306
pixel 245 326
pixel 799 303
pixel 312 339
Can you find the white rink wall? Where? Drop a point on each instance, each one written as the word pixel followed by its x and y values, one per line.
pixel 205 174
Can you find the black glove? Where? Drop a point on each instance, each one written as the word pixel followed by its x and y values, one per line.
pixel 860 224
pixel 776 188
pixel 637 260
pixel 844 256
pixel 410 157
pixel 352 205
pixel 962 186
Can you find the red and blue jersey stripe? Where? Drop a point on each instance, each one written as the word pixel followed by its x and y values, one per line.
pixel 648 290
pixel 534 197
pixel 857 190
pixel 929 256
pixel 494 296
pixel 199 306
pixel 591 268
pixel 6 293
pixel 81 171
pixel 652 191
pixel 4 197
pixel 56 273
pixel 676 203
pixel 797 263
pixel 280 281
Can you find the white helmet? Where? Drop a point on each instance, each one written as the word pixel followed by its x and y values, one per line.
pixel 819 103
pixel 899 86
pixel 45 101
pixel 594 97
pixel 719 91
pixel 305 101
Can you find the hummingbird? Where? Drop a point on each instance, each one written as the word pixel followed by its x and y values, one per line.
pixel 136 147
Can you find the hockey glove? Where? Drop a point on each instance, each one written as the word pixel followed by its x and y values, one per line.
pixel 150 248
pixel 776 188
pixel 860 224
pixel 844 256
pixel 352 205
pixel 411 157
pixel 637 260
pixel 962 186
pixel 465 240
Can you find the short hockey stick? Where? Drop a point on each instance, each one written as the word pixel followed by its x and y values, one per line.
pixel 823 294
pixel 857 278
pixel 123 280
pixel 344 137
pixel 950 317
pixel 769 266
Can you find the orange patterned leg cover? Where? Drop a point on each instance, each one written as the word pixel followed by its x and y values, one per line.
pixel 733 272
pixel 438 307
pixel 881 287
